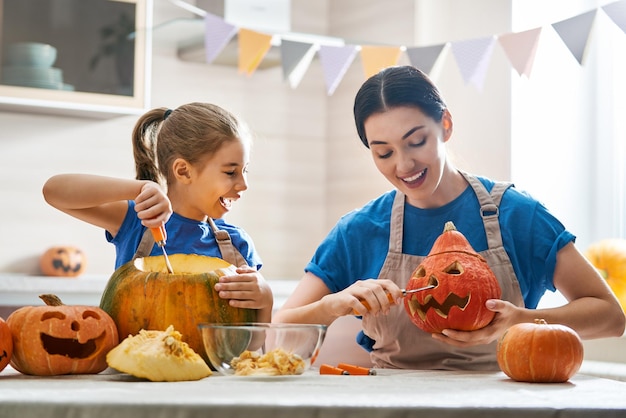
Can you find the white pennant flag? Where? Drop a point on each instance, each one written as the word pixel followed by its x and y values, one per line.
pixel 472 57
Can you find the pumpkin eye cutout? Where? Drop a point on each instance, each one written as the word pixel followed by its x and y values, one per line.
pixel 420 272
pixel 52 315
pixel 455 269
pixel 91 314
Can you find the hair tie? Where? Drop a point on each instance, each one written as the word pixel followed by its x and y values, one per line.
pixel 167 113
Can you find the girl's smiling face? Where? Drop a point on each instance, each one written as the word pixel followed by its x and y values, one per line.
pixel 408 148
pixel 211 186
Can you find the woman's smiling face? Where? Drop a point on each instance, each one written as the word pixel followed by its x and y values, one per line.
pixel 408 148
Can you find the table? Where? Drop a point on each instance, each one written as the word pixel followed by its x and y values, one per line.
pixel 397 393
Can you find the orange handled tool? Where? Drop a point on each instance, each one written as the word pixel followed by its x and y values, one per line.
pixel 160 236
pixel 326 369
pixel 356 370
pixel 404 293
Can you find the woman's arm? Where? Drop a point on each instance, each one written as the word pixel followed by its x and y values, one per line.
pixel 102 201
pixel 312 302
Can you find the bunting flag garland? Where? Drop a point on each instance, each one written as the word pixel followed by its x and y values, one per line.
pixel 521 48
pixel 335 62
pixel 424 57
pixel 217 34
pixel 295 60
pixel 375 58
pixel 575 33
pixel 617 12
pixel 252 49
pixel 472 57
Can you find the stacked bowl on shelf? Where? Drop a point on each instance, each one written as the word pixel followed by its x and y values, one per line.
pixel 30 64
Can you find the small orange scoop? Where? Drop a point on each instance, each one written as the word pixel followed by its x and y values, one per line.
pixel 160 236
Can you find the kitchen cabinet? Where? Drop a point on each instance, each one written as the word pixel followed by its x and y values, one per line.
pixel 102 65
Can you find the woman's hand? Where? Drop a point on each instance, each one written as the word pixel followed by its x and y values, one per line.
pixel 507 314
pixel 152 205
pixel 367 297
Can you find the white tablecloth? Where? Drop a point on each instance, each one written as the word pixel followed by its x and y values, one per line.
pixel 390 393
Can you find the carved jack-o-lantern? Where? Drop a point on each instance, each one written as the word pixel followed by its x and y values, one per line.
pixel 6 344
pixel 463 283
pixel 61 339
pixel 63 261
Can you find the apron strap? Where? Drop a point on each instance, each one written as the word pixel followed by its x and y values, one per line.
pixel 489 203
pixel 228 250
pixel 397 223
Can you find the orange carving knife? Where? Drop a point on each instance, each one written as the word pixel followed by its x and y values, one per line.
pixel 404 293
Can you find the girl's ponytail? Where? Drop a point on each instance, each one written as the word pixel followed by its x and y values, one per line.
pixel 144 139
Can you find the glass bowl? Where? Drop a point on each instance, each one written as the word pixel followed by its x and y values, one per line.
pixel 262 349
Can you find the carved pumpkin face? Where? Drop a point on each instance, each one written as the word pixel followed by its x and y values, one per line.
pixel 463 283
pixel 61 339
pixel 6 344
pixel 64 261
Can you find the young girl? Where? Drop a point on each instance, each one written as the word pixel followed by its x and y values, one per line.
pixel 401 117
pixel 191 165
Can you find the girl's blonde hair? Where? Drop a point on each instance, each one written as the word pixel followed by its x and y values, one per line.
pixel 192 132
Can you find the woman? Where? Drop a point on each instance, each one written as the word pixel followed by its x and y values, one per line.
pixel 371 252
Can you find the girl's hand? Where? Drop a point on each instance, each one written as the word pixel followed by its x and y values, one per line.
pixel 507 314
pixel 246 289
pixel 373 292
pixel 152 205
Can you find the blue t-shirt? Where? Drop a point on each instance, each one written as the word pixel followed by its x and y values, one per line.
pixel 184 235
pixel 357 246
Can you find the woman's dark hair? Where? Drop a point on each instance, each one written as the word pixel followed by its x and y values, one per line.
pixel 396 87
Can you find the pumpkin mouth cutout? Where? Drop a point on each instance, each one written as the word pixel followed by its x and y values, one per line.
pixel 70 347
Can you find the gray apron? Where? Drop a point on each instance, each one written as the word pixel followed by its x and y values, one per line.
pixel 401 344
pixel 228 250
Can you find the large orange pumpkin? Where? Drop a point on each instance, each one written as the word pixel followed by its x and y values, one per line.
pixel 6 344
pixel 141 294
pixel 540 352
pixel 609 257
pixel 58 339
pixel 463 283
pixel 63 261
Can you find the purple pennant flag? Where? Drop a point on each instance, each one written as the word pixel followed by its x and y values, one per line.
pixel 472 57
pixel 617 12
pixel 575 33
pixel 335 62
pixel 217 34
pixel 424 57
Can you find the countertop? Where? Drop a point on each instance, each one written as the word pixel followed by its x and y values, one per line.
pixel 397 393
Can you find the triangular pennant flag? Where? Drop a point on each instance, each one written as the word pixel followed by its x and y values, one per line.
pixel 217 33
pixel 375 58
pixel 521 49
pixel 617 12
pixel 424 57
pixel 252 49
pixel 575 33
pixel 335 62
pixel 295 59
pixel 472 56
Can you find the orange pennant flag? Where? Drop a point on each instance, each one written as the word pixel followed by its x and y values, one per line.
pixel 375 58
pixel 252 49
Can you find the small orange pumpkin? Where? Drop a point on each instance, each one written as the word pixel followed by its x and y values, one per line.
pixel 58 339
pixel 540 352
pixel 6 344
pixel 463 283
pixel 63 261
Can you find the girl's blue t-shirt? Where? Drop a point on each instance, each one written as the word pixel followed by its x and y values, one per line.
pixel 357 246
pixel 184 235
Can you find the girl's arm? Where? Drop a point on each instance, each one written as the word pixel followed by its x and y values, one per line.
pixel 102 201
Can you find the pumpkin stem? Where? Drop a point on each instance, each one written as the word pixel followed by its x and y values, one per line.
pixel 449 226
pixel 51 300
pixel 541 321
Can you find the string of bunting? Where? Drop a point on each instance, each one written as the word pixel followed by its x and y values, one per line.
pixel 472 55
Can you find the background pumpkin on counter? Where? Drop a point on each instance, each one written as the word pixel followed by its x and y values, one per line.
pixel 57 339
pixel 609 257
pixel 141 294
pixel 63 261
pixel 6 344
pixel 463 283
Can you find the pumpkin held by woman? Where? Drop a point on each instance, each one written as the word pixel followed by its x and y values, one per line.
pixel 141 294
pixel 58 339
pixel 463 283
pixel 540 352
